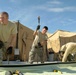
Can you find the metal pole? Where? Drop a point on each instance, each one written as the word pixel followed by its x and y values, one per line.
pixel 38 24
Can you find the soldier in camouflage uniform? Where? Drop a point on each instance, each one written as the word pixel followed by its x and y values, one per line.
pixel 8 31
pixel 39 44
pixel 68 48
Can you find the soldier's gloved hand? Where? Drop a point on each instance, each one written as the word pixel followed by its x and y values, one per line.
pixel 38 27
pixel 9 50
pixel 39 44
pixel 1 44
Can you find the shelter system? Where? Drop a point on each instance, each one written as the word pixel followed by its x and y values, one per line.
pixel 25 39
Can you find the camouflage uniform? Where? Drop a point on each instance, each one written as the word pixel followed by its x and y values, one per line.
pixel 3 54
pixel 68 48
pixel 36 48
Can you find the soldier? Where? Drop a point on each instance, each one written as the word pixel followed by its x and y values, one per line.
pixel 39 44
pixel 8 31
pixel 68 48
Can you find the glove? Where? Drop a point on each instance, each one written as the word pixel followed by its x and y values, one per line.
pixel 9 50
pixel 1 44
pixel 38 27
pixel 39 44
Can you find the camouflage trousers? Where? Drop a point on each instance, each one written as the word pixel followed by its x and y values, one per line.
pixel 33 52
pixel 3 52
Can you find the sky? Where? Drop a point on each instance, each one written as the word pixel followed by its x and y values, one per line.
pixel 56 14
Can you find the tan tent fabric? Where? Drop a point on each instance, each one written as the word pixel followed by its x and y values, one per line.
pixel 49 48
pixel 61 37
pixel 25 39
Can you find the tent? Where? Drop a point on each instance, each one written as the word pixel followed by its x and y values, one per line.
pixel 59 38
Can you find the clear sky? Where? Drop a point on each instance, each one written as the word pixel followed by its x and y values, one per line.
pixel 56 14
